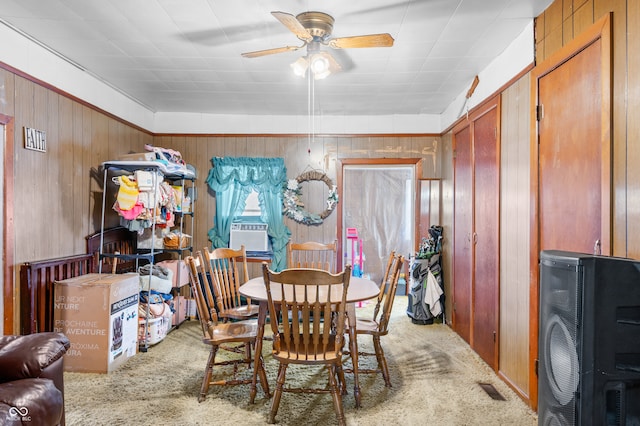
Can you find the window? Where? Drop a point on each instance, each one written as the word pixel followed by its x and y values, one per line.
pixel 252 207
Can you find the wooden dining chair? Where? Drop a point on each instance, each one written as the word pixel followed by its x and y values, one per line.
pixel 219 335
pixel 378 325
pixel 296 298
pixel 228 271
pixel 312 254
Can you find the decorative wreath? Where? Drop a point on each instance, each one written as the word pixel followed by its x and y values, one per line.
pixel 293 207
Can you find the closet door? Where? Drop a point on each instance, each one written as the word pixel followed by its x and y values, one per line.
pixel 476 231
pixel 462 232
pixel 486 233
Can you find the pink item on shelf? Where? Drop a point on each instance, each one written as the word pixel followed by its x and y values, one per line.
pixel 130 214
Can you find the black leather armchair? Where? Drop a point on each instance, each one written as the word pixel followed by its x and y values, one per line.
pixel 31 379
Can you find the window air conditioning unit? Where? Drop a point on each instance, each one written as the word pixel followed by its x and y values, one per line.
pixel 252 235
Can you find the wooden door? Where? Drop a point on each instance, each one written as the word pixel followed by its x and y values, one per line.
pixel 570 158
pixel 476 231
pixel 570 155
pixel 462 230
pixel 485 237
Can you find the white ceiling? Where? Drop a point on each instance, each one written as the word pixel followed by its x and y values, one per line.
pixel 184 55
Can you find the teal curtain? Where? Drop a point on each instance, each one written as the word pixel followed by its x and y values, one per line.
pixel 233 179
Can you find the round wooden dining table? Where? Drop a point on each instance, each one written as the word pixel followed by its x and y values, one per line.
pixel 360 289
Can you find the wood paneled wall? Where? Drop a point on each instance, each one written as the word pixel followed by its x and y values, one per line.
pixel 56 191
pixel 324 153
pixel 446 200
pixel 58 194
pixel 559 24
pixel 513 359
pixel 514 232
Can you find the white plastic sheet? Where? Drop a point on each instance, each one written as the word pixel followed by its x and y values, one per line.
pixel 379 202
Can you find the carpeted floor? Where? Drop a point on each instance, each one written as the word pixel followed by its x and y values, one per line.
pixel 435 379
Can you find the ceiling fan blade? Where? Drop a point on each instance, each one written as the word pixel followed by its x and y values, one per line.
pixel 259 53
pixel 371 40
pixel 293 25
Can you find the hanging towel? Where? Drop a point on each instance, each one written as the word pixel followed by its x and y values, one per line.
pixel 432 293
pixel 128 193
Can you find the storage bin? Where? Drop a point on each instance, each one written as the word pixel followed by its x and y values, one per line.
pixel 144 240
pixel 157 329
pixel 181 310
pixel 176 240
pixel 179 269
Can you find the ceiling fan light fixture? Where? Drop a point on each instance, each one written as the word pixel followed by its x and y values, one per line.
pixel 300 66
pixel 321 75
pixel 319 64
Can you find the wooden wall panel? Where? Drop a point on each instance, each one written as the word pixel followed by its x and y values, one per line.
pixel 55 192
pixel 80 176
pixel 630 155
pixel 567 9
pixel 514 236
pixel 553 41
pixel 623 145
pixel 95 178
pixel 58 193
pixel 325 150
pixel 567 30
pixel 113 129
pixel 62 204
pixel 41 121
pixel 583 17
pixel 625 105
pixel 99 154
pixel 553 18
pixel 624 101
pixel 447 220
pixel 428 205
pixel 202 152
pixel 27 176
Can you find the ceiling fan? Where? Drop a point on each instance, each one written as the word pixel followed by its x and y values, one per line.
pixel 314 29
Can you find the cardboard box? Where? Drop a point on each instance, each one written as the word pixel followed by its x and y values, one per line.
pixel 99 315
pixel 138 156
